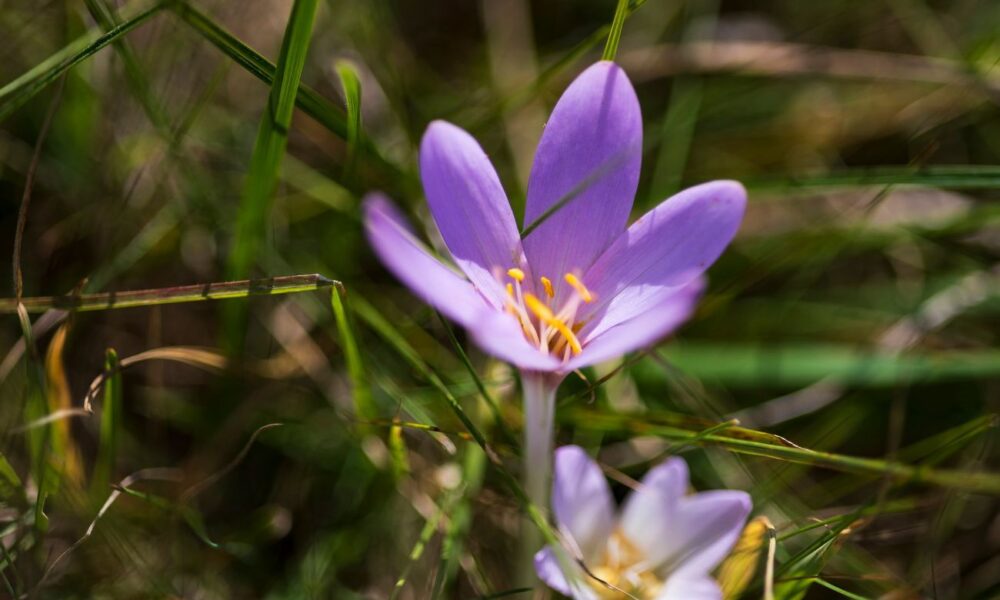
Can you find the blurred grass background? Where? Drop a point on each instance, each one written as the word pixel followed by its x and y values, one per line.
pixel 316 449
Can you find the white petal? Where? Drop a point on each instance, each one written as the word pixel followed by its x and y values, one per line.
pixel 581 501
pixel 690 588
pixel 647 519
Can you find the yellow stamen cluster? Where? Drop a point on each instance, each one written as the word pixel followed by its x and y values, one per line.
pixel 553 332
pixel 623 569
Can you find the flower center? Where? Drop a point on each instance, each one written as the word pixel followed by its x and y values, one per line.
pixel 624 568
pixel 553 331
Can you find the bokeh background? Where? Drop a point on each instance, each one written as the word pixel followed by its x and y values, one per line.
pixel 856 314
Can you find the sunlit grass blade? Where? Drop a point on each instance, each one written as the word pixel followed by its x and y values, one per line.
pixel 491 402
pixel 201 292
pixel 426 533
pixel 615 34
pixel 364 405
pixel 272 137
pixel 16 93
pixel 535 513
pixel 352 99
pixel 460 521
pixel 111 423
pixel 899 473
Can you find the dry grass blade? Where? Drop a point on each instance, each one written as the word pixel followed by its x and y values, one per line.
pixel 777 59
pixel 152 474
pixel 52 417
pixel 208 359
pixel 204 484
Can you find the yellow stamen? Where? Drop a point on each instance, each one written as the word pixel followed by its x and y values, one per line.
pixel 516 274
pixel 547 283
pixel 581 289
pixel 538 307
pixel 568 335
pixel 510 290
pixel 544 314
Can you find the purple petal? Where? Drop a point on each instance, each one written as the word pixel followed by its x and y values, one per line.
pixel 581 501
pixel 667 247
pixel 707 526
pixel 591 149
pixel 702 587
pixel 495 332
pixel 407 259
pixel 548 570
pixel 500 334
pixel 469 207
pixel 646 518
pixel 662 315
pixel 678 534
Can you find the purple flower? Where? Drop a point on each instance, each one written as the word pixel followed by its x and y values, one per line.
pixel 663 545
pixel 580 288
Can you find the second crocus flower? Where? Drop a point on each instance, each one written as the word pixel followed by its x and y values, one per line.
pixel 662 546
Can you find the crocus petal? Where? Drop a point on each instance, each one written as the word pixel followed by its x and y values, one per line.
pixel 590 151
pixel 648 511
pixel 667 247
pixel 548 570
pixel 701 587
pixel 470 207
pixel 409 261
pixel 500 335
pixel 581 501
pixel 706 526
pixel 671 308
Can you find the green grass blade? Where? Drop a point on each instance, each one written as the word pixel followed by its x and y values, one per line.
pixel 269 286
pixel 111 422
pixel 272 137
pixel 535 513
pixel 10 484
pixel 508 435
pixel 107 17
pixel 796 365
pixel 753 443
pixel 364 406
pixel 16 93
pixel 615 35
pixel 307 99
pixel 352 99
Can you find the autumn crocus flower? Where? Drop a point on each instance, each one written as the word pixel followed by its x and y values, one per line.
pixel 662 546
pixel 579 288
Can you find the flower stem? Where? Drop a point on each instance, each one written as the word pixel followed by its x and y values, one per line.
pixel 539 390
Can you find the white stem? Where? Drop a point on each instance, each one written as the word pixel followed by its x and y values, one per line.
pixel 539 390
pixel 539 432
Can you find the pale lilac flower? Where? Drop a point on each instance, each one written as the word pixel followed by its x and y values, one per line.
pixel 663 545
pixel 580 288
